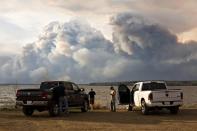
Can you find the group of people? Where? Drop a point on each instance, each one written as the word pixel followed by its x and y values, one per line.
pixel 59 95
pixel 112 99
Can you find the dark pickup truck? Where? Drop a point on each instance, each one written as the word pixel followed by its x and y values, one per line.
pixel 42 99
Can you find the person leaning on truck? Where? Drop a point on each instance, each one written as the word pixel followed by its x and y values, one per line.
pixel 113 99
pixel 60 97
pixel 66 102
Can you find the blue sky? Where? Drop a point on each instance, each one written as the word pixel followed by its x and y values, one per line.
pixel 26 23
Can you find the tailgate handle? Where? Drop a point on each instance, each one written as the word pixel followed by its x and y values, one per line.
pixel 166 94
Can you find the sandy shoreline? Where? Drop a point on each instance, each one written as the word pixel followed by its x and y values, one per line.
pixel 99 120
pixel 102 99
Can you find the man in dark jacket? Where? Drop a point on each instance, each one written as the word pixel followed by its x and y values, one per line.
pixel 60 98
pixel 92 96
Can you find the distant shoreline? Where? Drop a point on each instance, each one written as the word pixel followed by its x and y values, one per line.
pixel 169 83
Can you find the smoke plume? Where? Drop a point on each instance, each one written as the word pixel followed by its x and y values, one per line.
pixel 140 50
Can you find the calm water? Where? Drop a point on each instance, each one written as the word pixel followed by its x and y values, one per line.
pixel 7 94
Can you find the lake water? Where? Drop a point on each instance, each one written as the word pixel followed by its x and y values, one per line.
pixel 8 93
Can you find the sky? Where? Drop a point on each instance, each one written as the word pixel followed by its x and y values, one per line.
pixel 95 41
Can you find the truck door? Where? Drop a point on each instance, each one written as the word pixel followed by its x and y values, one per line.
pixel 123 94
pixel 135 91
pixel 69 93
pixel 77 95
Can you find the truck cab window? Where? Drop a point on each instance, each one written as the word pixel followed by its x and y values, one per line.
pixel 136 87
pixel 75 87
pixel 48 85
pixel 153 86
pixel 133 87
pixel 61 84
pixel 68 86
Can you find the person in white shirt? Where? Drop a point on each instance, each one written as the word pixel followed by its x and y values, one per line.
pixel 113 99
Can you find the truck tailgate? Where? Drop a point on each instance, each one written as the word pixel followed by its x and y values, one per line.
pixel 31 94
pixel 167 95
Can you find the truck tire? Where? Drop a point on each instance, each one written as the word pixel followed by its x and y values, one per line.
pixel 54 109
pixel 85 106
pixel 130 108
pixel 28 111
pixel 144 108
pixel 174 110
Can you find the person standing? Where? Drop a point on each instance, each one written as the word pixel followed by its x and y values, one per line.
pixel 113 99
pixel 92 97
pixel 59 93
pixel 66 102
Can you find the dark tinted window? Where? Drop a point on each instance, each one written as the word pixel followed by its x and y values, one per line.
pixel 48 85
pixel 61 83
pixel 153 86
pixel 136 87
pixel 75 87
pixel 68 86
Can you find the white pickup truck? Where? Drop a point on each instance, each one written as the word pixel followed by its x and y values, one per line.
pixel 150 95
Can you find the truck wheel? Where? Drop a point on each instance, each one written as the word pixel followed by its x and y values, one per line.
pixel 144 108
pixel 174 110
pixel 130 108
pixel 54 109
pixel 84 107
pixel 28 111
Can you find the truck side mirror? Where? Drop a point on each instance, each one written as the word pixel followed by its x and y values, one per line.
pixel 82 89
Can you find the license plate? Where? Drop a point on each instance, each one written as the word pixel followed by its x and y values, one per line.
pixel 29 102
pixel 167 103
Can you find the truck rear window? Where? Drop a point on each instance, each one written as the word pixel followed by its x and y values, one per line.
pixel 48 85
pixel 153 86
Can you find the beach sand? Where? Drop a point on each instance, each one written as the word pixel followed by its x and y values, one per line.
pixel 102 120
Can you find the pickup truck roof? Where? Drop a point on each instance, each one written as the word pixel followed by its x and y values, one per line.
pixel 57 81
pixel 51 84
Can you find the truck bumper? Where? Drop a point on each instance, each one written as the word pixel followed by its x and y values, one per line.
pixel 165 104
pixel 31 103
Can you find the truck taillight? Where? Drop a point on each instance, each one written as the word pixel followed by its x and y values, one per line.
pixel 181 95
pixel 150 97
pixel 17 93
pixel 44 95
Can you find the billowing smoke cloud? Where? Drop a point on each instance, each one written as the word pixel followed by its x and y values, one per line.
pixel 69 51
pixel 75 51
pixel 160 55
